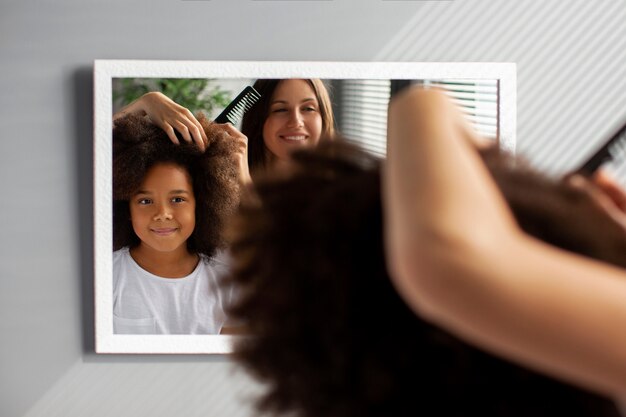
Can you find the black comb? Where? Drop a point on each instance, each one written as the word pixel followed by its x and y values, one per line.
pixel 606 153
pixel 242 103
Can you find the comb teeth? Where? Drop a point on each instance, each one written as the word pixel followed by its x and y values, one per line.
pixel 236 109
pixel 614 147
pixel 618 147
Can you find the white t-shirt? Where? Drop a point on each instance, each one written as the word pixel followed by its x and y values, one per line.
pixel 144 303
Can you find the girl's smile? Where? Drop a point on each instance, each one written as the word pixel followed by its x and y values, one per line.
pixel 166 231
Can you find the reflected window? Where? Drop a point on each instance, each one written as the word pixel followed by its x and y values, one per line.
pixel 363 103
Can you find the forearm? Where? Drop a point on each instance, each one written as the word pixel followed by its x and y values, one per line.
pixel 136 107
pixel 436 188
pixel 548 309
pixel 457 258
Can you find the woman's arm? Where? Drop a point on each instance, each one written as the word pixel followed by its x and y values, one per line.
pixel 168 115
pixel 241 157
pixel 457 257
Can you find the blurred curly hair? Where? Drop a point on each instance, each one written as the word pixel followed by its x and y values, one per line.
pixel 138 145
pixel 330 335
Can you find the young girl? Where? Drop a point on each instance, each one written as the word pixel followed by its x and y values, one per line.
pixel 170 205
pixel 291 114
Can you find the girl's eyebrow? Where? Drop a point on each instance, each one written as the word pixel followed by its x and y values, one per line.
pixel 145 192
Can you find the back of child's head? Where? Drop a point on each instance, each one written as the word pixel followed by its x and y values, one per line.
pixel 331 337
pixel 139 145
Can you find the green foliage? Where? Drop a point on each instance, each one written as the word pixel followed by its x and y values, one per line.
pixel 196 94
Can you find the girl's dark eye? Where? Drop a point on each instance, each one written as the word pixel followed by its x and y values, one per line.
pixel 144 201
pixel 178 199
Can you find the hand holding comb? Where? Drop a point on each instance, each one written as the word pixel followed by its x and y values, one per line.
pixel 607 152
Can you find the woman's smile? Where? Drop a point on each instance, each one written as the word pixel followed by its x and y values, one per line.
pixel 294 119
pixel 294 136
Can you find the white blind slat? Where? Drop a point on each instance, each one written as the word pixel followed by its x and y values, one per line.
pixel 364 108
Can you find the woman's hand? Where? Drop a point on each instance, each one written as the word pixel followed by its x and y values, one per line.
pixel 169 116
pixel 611 188
pixel 606 193
pixel 241 157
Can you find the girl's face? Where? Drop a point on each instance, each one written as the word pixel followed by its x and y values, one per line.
pixel 163 209
pixel 294 119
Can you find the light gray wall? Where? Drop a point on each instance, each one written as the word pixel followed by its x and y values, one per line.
pixel 570 56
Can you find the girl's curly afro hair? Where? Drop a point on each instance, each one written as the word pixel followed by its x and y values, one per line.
pixel 138 145
pixel 330 335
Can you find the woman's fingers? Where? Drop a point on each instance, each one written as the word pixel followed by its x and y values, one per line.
pixel 606 194
pixel 195 128
pixel 234 132
pixel 611 188
pixel 170 132
pixel 164 112
pixel 242 158
pixel 237 135
pixel 182 129
pixel 187 125
pixel 190 129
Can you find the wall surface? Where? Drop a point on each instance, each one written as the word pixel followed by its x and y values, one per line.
pixel 570 59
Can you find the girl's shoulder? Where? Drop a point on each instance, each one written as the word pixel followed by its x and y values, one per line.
pixel 121 252
pixel 220 259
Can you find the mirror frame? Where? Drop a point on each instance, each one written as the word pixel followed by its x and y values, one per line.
pixel 106 70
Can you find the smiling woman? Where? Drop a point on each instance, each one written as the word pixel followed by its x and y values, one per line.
pixel 293 120
pixel 292 113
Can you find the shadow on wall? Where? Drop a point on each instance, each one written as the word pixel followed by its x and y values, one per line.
pixel 83 173
pixel 83 111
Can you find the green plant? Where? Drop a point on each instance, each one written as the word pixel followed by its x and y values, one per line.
pixel 196 94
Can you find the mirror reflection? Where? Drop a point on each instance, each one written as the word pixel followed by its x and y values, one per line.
pixel 357 107
pixel 176 177
pixel 165 99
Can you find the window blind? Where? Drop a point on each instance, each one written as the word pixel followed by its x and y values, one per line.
pixel 363 118
pixel 364 113
pixel 478 99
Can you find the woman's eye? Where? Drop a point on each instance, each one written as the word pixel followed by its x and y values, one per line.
pixel 279 110
pixel 310 109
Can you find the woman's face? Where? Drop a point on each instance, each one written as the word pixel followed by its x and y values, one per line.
pixel 294 119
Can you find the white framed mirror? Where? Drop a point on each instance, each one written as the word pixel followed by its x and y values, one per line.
pixel 359 94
